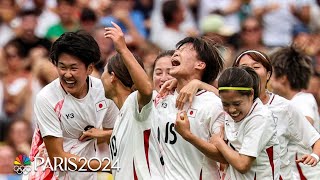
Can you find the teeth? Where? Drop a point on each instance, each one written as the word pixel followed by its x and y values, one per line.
pixel 235 114
pixel 69 82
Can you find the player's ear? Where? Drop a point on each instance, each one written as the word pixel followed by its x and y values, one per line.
pixel 90 69
pixel 113 77
pixel 268 75
pixel 200 65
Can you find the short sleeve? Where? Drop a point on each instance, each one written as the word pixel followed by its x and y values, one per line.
pixel 304 106
pixel 254 136
pixel 145 112
pixel 46 118
pixel 217 119
pixel 300 128
pixel 111 115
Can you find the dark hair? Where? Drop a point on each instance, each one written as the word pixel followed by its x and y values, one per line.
pixel 161 55
pixel 88 14
pixel 79 44
pixel 240 77
pixel 257 56
pixel 21 50
pixel 294 64
pixel 208 52
pixel 28 12
pixel 69 2
pixel 117 66
pixel 169 8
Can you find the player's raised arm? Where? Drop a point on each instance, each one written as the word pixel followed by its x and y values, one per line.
pixel 137 73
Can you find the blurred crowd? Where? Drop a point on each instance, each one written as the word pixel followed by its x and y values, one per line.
pixel 29 27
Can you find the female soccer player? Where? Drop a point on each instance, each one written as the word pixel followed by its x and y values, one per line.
pixel 129 150
pixel 162 66
pixel 292 71
pixel 252 147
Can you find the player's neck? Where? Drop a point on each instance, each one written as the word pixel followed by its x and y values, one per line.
pixel 183 80
pixel 120 97
pixel 264 97
pixel 290 94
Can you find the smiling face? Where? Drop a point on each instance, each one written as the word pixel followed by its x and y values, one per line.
pixel 246 60
pixel 184 61
pixel 161 72
pixel 106 79
pixel 73 75
pixel 235 104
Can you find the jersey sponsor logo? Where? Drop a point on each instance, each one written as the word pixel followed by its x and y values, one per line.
pixel 101 105
pixel 70 115
pixel 192 113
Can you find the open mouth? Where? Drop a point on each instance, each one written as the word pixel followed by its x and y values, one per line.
pixel 234 115
pixel 70 83
pixel 175 62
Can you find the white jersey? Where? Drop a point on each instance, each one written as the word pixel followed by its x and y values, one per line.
pixel 182 160
pixel 307 104
pixel 255 136
pixel 134 149
pixel 292 128
pixel 59 114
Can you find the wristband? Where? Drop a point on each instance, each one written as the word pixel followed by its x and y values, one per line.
pixel 315 156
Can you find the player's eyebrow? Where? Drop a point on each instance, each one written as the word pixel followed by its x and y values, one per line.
pixel 61 63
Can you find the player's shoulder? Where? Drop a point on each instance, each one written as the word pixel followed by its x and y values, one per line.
pixel 278 101
pixel 95 83
pixel 207 97
pixel 258 109
pixel 51 89
pixel 303 97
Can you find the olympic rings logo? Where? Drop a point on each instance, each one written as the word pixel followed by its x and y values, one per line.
pixel 22 169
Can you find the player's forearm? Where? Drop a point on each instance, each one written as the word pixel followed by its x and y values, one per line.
pixel 106 137
pixel 208 87
pixel 137 73
pixel 316 147
pixel 206 148
pixel 240 162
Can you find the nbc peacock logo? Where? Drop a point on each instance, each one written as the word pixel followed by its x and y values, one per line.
pixel 22 164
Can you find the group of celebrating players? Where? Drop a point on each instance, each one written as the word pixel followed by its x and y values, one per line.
pixel 179 127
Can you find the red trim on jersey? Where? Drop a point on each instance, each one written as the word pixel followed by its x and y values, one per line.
pixel 270 155
pixel 157 99
pixel 58 108
pixel 255 176
pixel 302 177
pixel 146 136
pixel 200 92
pixel 200 178
pixel 135 177
pixel 254 106
pixel 49 176
pixel 272 98
pixel 36 142
pixel 280 178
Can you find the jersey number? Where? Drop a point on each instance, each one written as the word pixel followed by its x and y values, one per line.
pixel 169 133
pixel 113 147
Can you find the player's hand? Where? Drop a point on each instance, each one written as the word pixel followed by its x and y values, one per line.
pixel 93 133
pixel 217 138
pixel 182 125
pixel 168 87
pixel 307 159
pixel 117 36
pixel 187 94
